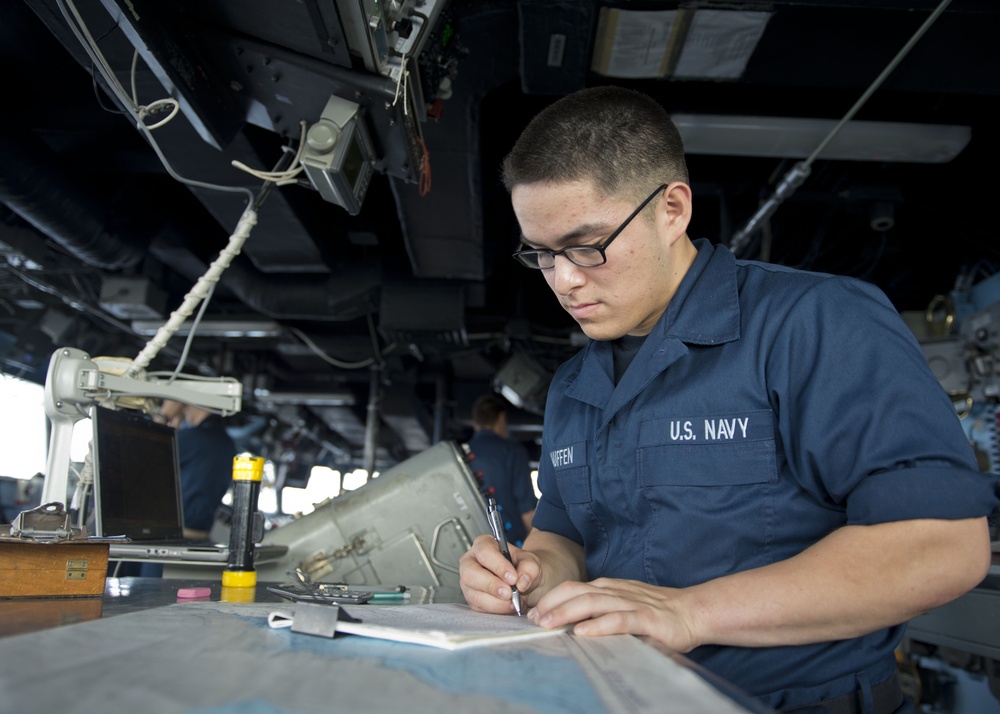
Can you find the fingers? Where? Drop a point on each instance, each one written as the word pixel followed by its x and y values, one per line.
pixel 609 607
pixel 596 613
pixel 564 604
pixel 486 577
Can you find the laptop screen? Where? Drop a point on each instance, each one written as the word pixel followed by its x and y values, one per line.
pixel 136 477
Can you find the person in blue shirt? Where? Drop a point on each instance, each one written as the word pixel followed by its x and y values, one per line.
pixel 205 452
pixel 752 465
pixel 502 466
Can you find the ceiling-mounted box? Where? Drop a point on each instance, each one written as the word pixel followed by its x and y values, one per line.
pixel 338 156
pixel 133 298
pixel 423 314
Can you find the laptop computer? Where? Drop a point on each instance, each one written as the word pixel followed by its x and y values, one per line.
pixel 137 493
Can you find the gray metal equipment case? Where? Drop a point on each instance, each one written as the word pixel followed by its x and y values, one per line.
pixel 408 526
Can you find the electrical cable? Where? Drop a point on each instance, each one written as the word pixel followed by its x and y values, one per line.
pixel 287 176
pixel 201 292
pixel 205 284
pixel 98 93
pixel 155 107
pixel 85 478
pixel 333 360
pixel 135 62
pixel 424 185
pixel 373 334
pixel 86 40
pixel 402 84
pixel 198 292
pixel 191 182
pixel 94 75
pixel 166 373
pixel 191 333
pixel 402 81
pixel 79 29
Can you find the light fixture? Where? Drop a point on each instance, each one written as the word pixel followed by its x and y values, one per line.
pixel 789 137
pixel 309 399
pixel 523 382
pixel 215 328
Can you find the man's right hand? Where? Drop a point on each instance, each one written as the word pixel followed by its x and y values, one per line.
pixel 545 561
pixel 486 576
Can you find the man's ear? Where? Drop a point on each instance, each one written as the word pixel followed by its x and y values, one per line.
pixel 501 424
pixel 673 210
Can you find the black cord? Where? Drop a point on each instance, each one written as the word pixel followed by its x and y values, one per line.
pixel 283 163
pixel 98 92
pixel 93 75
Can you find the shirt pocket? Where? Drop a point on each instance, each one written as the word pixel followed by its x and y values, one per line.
pixel 711 502
pixel 574 485
pixel 707 465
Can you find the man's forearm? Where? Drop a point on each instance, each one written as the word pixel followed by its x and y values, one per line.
pixel 856 580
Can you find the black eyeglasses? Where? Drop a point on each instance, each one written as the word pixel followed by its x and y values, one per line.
pixel 586 256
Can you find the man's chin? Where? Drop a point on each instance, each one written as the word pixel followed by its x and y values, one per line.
pixel 601 333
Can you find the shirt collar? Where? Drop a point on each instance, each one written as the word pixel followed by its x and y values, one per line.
pixel 704 311
pixel 706 308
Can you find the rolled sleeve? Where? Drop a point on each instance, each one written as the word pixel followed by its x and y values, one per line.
pixel 550 513
pixel 865 424
pixel 922 490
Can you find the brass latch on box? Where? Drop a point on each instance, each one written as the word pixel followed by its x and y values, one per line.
pixel 76 569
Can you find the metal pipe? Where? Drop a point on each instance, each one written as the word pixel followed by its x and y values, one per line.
pixel 798 173
pixel 371 420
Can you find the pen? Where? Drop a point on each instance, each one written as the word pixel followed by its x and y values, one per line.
pixel 390 597
pixel 493 516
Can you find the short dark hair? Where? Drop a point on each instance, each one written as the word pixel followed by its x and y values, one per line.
pixel 487 409
pixel 621 140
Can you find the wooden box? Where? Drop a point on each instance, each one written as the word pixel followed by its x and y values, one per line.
pixel 29 614
pixel 52 569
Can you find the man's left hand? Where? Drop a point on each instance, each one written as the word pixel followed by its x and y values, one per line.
pixel 609 606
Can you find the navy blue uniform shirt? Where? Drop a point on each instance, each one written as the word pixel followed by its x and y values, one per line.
pixel 766 408
pixel 206 456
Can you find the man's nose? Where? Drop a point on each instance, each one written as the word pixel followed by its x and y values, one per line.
pixel 566 275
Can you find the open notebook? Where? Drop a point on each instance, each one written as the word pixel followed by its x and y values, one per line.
pixel 137 493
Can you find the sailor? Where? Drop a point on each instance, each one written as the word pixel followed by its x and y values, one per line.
pixel 751 464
